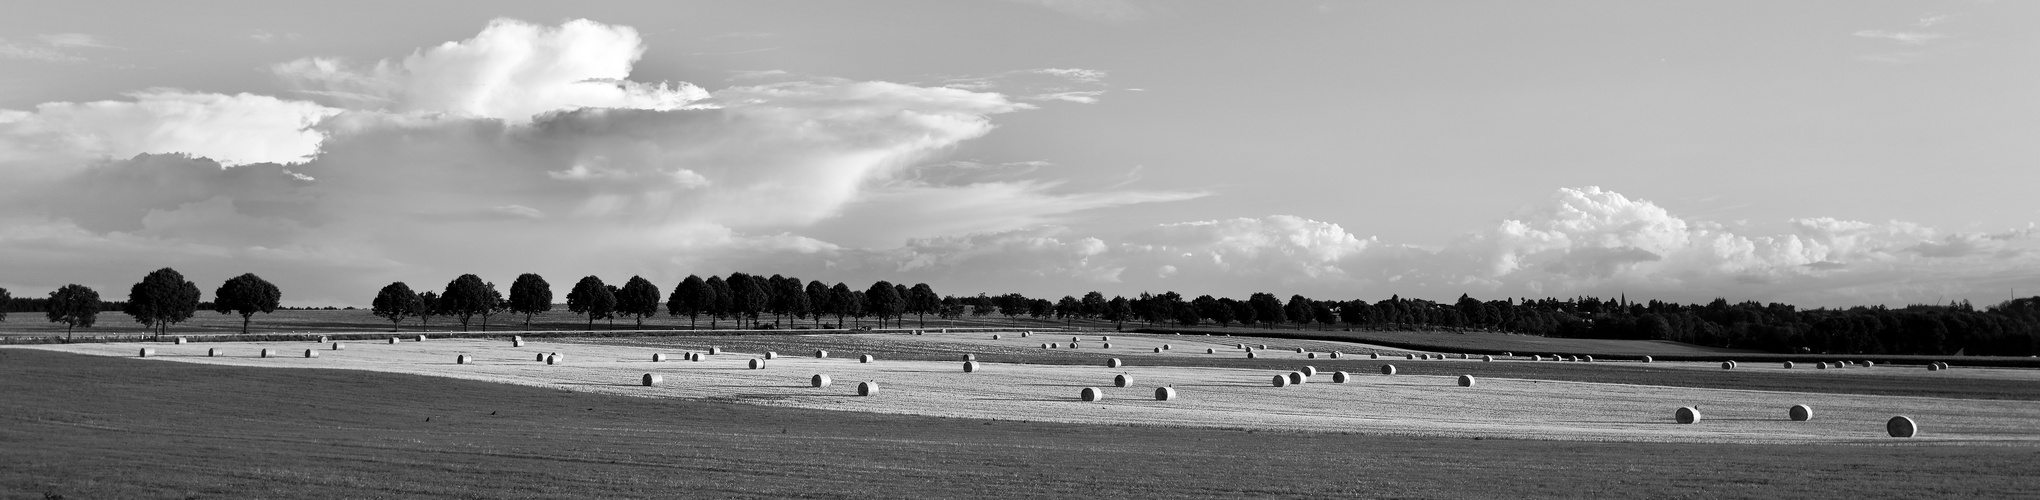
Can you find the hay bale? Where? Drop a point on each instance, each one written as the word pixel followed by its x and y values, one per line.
pixel 1309 371
pixel 1869 364
pixel 1588 359
pixel 517 343
pixel 1073 345
pixel 1261 346
pixel 1091 394
pixel 1341 377
pixel 995 337
pixel 463 359
pixel 148 351
pixel 652 379
pixel 1489 359
pixel 1311 355
pixel 867 388
pixel 214 352
pixel 1788 365
pixel 1409 356
pixel 1646 359
pixel 267 353
pixel 1822 365
pixel 1105 339
pixel 1074 339
pixel 820 381
pixel 541 357
pixel 1733 364
pixel 658 357
pixel 821 354
pixel 694 356
pixel 1299 350
pixel 1158 350
pixel 1297 378
pixel 323 339
pixel 1466 381
pixel 1165 347
pixel 1108 345
pixel 1335 354
pixel 771 355
pixel 1122 380
pixel 1250 355
pixel 1112 363
pixel 1507 353
pixel 865 359
pixel 421 338
pixel 517 338
pixel 712 350
pixel 1025 334
pixel 1933 367
pixel 757 364
pixel 1281 381
pixel 393 341
pixel 1902 427
pixel 1728 365
pixel 1165 393
pixel 1210 351
pixel 554 359
pixel 970 367
pixel 1800 413
pixel 1045 346
pixel 180 340
pixel 1686 415
pixel 1239 346
pixel 1387 369
pixel 1373 355
pixel 311 353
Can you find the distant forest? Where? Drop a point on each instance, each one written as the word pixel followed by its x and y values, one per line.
pixel 2010 328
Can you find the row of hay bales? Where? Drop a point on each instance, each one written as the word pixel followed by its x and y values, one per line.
pixel 1900 426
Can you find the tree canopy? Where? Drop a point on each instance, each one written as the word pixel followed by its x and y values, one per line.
pixel 592 298
pixel 161 299
pixel 246 295
pixel 638 299
pixel 529 295
pixel 73 305
pixel 395 302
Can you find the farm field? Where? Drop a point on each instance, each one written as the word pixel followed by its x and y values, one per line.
pixel 104 427
pixel 361 321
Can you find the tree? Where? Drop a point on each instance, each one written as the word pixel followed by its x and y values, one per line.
pixel 1093 305
pixel 794 298
pixel 842 301
pixel 921 299
pixel 638 298
pixel 492 303
pixel 1068 309
pixel 592 298
pixel 1299 311
pixel 465 297
pixel 820 300
pixel 162 298
pixel 4 299
pixel 73 305
pixel 747 296
pixel 395 302
pixel 856 306
pixel 1118 311
pixel 428 306
pixel 246 295
pixel 1242 312
pixel 1040 308
pixel 718 300
pixel 1267 309
pixel 690 297
pixel 529 295
pixel 884 301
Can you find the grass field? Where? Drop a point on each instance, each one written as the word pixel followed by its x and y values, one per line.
pixel 101 427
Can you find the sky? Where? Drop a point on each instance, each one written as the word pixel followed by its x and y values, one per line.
pixel 1822 154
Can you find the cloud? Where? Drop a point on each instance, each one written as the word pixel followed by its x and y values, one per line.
pixel 73 40
pixel 512 71
pixel 1908 38
pixel 14 50
pixel 234 129
pixel 1043 84
pixel 1100 11
pixel 1087 97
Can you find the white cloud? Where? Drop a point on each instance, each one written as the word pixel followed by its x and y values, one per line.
pixel 234 129
pixel 13 50
pixel 69 40
pixel 512 71
pixel 1904 37
pixel 1101 11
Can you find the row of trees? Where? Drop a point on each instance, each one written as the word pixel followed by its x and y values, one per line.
pixel 161 299
pixel 740 297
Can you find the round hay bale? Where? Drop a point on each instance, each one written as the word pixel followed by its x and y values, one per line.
pixel 310 353
pixel 865 358
pixel 714 350
pixel 694 356
pixel 1309 371
pixel 421 338
pixel 1091 394
pixel 1122 380
pixel 1165 347
pixel 757 364
pixel 970 367
pixel 517 338
pixel 180 340
pixel 820 381
pixel 1044 346
pixel 1250 355
pixel 1869 364
pixel 995 337
pixel 1588 359
pixel 541 357
pixel 771 355
pixel 1373 355
pixel 393 341
pixel 1535 357
pixel 1646 359
pixel 821 354
pixel 1800 413
pixel 1733 364
pixel 1281 381
pixel 1261 346
pixel 1239 346
pixel 1299 350
pixel 1507 353
pixel 1489 359
pixel 1297 378
pixel 1158 350
pixel 1462 356
pixel 1108 345
pixel 1466 381
pixel 517 343
pixel 1788 365
pixel 1310 355
pixel 1901 427
pixel 1074 339
pixel 1341 378
pixel 1165 393
pixel 1933 367
pixel 1821 365
pixel 867 388
pixel 1106 338
pixel 1387 369
pixel 658 357
pixel 147 351
pixel 1946 366
pixel 1112 363
pixel 1335 354
pixel 1686 415
pixel 554 359
pixel 1409 356
pixel 1073 345
pixel 463 359
pixel 970 357
pixel 323 339
pixel 1210 351
pixel 1728 365
pixel 267 353
pixel 1025 334
pixel 652 379
pixel 214 352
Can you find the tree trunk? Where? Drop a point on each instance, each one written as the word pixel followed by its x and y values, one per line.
pixel 244 323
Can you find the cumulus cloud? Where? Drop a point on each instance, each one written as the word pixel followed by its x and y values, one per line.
pixel 512 70
pixel 234 129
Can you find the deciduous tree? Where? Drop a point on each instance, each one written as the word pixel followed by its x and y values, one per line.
pixel 689 298
pixel 639 299
pixel 529 295
pixel 465 297
pixel 592 298
pixel 395 302
pixel 163 298
pixel 246 295
pixel 73 305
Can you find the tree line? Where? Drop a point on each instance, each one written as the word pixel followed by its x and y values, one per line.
pixel 741 298
pixel 160 299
